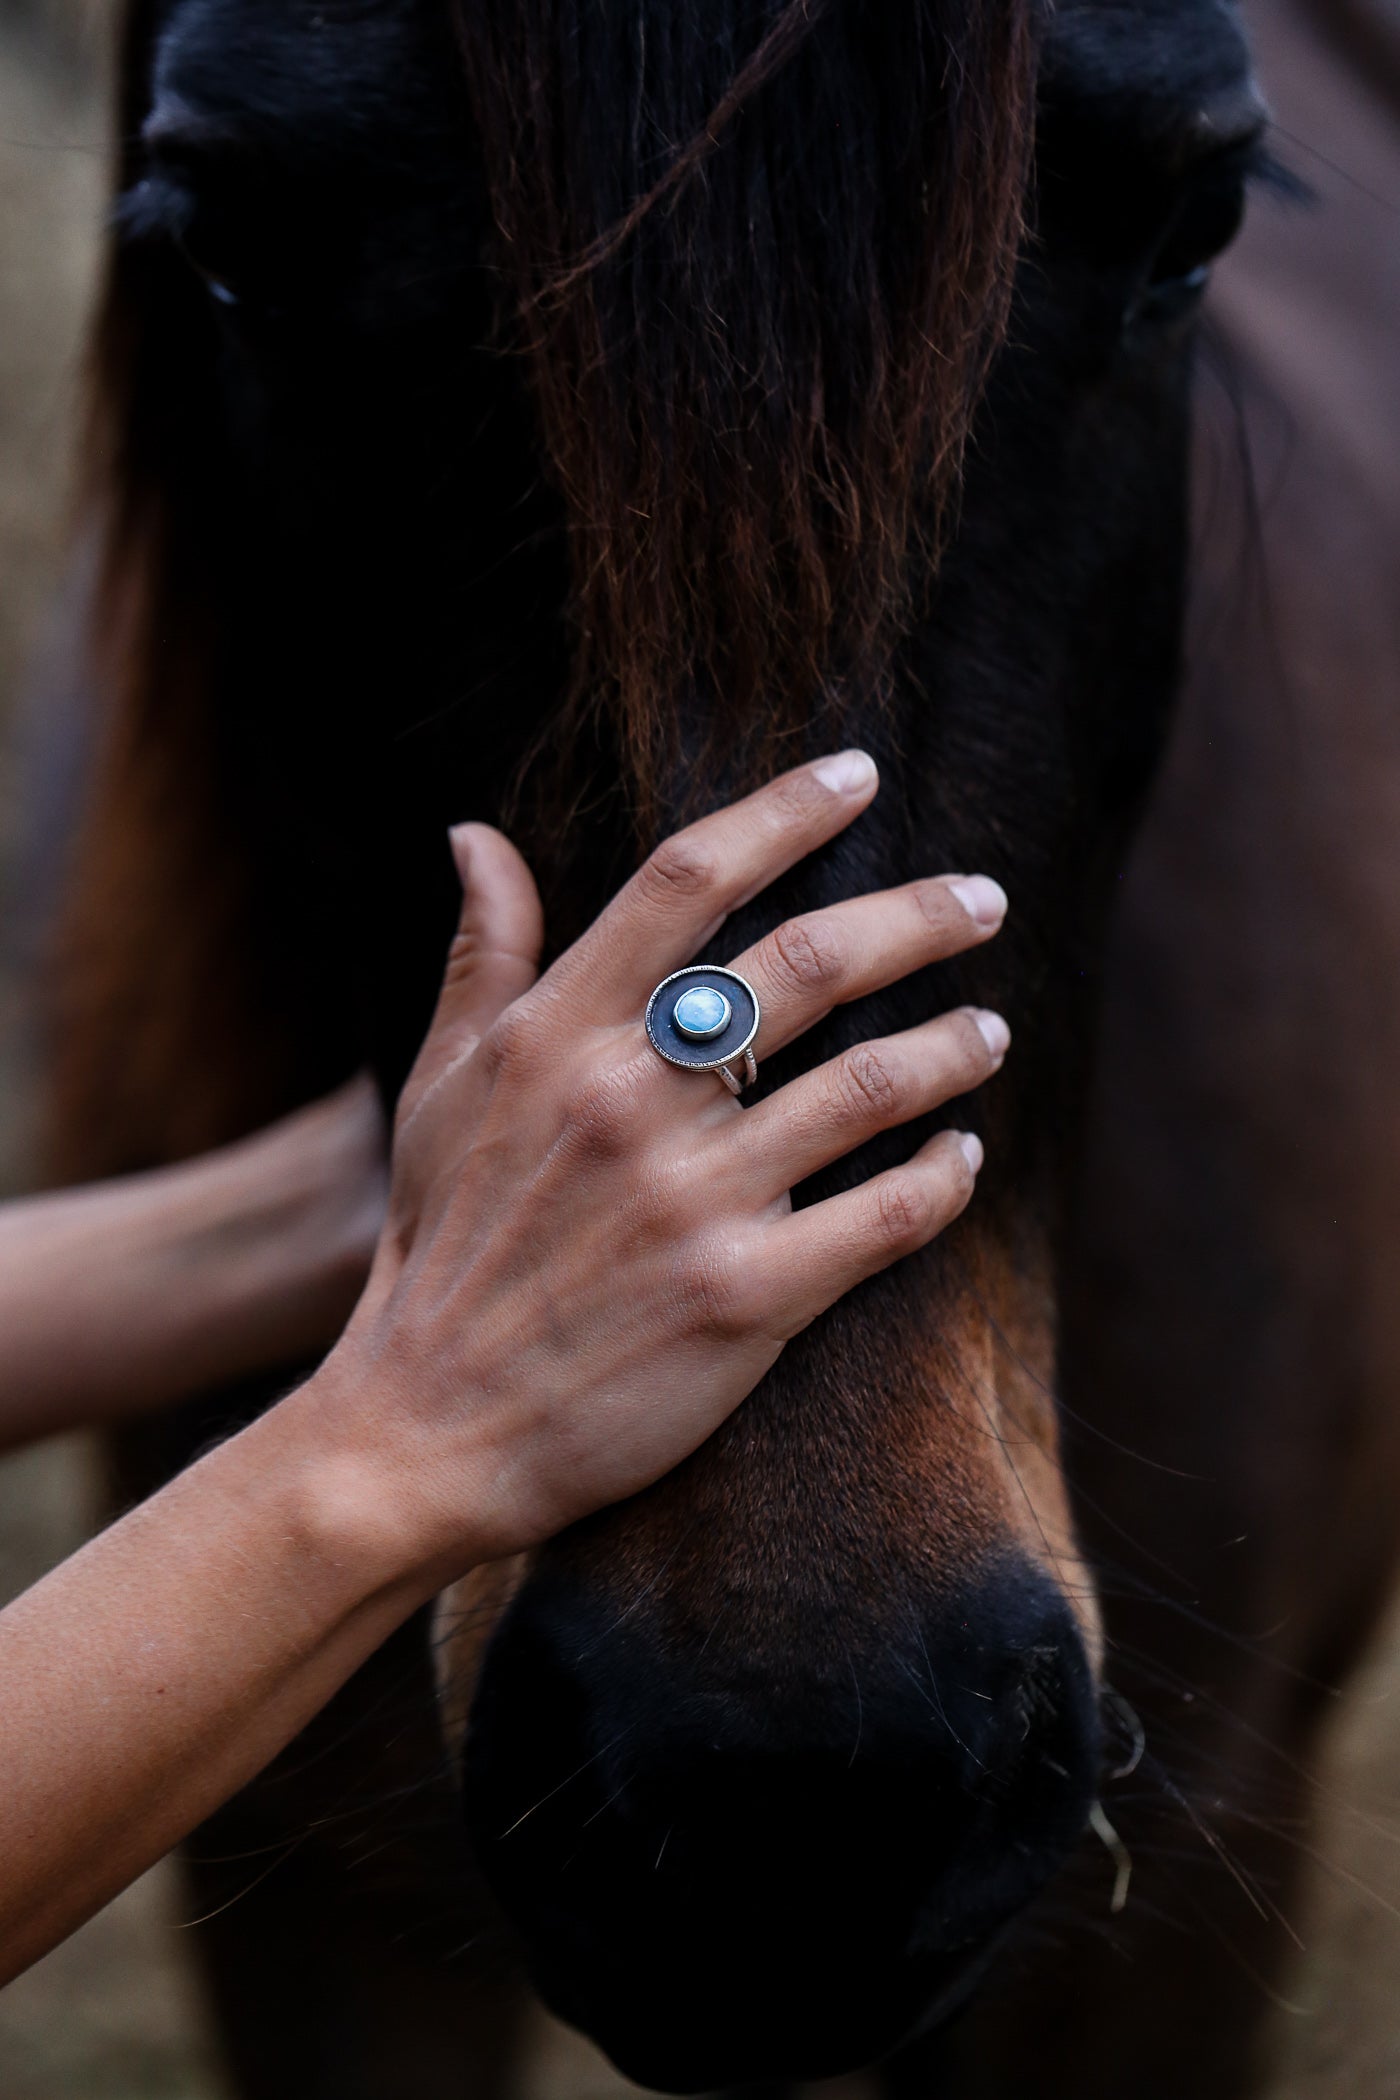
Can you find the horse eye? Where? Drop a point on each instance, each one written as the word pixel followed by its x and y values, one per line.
pixel 258 242
pixel 1202 228
pixel 217 215
pixel 218 249
pixel 259 254
pixel 217 286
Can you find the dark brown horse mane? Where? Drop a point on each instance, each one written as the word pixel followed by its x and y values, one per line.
pixel 757 264
pixel 758 259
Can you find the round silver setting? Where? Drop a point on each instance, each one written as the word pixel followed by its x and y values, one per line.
pixel 704 1019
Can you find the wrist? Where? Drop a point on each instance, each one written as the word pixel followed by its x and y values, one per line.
pixel 295 1212
pixel 378 1498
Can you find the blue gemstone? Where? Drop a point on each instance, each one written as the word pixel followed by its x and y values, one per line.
pixel 702 1013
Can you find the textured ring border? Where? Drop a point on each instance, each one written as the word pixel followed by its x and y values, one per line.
pixel 713 1064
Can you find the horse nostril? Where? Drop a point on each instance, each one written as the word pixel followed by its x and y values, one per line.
pixel 727 1870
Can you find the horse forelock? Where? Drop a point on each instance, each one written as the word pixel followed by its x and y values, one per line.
pixel 755 259
pixel 757 256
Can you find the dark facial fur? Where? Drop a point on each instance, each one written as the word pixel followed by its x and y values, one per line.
pixel 377 451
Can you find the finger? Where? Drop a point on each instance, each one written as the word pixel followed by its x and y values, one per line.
pixel 680 897
pixel 821 1115
pixel 827 958
pixel 812 1257
pixel 495 951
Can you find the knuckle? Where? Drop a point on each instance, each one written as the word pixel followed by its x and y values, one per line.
pixel 904 1212
pixel 511 1045
pixel 796 795
pixel 809 954
pixel 600 1111
pixel 711 1290
pixel 681 867
pixel 934 904
pixel 463 959
pixel 661 1196
pixel 872 1086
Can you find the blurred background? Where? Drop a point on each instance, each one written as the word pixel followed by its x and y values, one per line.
pixel 115 2013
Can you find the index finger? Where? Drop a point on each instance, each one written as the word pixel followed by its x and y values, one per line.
pixel 682 894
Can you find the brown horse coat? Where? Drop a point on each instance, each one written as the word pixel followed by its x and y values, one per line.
pixel 1233 1309
pixel 1231 1313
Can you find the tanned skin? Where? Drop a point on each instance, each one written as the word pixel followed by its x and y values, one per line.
pixel 569 1218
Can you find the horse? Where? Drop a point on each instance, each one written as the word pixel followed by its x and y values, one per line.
pixel 561 416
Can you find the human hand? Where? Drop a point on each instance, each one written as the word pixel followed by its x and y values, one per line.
pixel 132 1293
pixel 591 1257
pixel 295 1213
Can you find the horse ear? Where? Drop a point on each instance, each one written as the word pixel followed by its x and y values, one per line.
pixel 159 1044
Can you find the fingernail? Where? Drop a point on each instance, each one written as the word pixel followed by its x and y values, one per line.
pixel 847 772
pixel 993 1030
pixel 971 1149
pixel 461 850
pixel 982 899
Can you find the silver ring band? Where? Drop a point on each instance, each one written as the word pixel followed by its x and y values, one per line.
pixel 736 1086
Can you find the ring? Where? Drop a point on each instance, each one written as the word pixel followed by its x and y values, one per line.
pixel 704 1020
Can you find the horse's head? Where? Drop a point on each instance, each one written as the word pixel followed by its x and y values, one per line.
pixel 714 381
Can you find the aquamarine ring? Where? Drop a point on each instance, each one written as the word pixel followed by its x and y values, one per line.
pixel 705 1019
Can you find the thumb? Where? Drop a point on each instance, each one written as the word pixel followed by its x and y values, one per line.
pixel 495 952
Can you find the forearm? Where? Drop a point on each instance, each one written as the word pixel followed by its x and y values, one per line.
pixel 153 1674
pixel 128 1295
pixel 585 1267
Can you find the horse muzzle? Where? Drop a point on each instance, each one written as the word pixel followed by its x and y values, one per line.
pixel 732 1867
